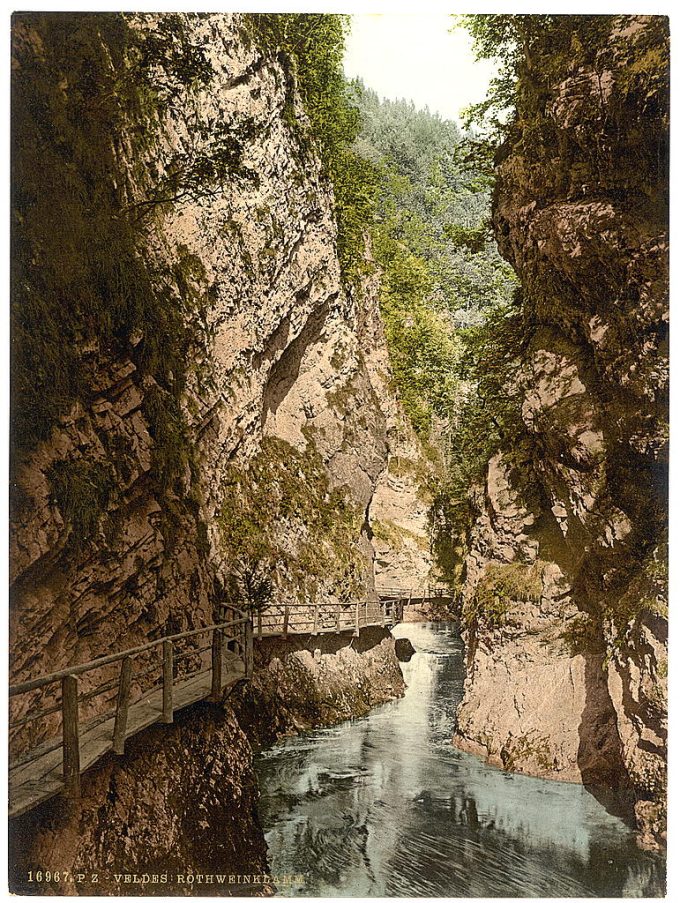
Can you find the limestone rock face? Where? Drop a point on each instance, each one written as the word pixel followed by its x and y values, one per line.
pixel 302 682
pixel 246 422
pixel 284 430
pixel 398 515
pixel 567 677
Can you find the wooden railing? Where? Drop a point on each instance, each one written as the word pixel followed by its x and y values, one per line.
pixel 163 683
pixel 289 618
pixel 419 593
pixel 87 710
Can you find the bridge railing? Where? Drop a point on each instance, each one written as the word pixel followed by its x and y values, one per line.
pixel 156 665
pixel 288 618
pixel 416 593
pixel 109 698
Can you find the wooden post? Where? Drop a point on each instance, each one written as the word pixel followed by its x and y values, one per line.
pixel 227 615
pixel 248 626
pixel 259 625
pixel 366 613
pixel 216 690
pixel 383 606
pixel 286 614
pixel 356 619
pixel 167 682
pixel 71 742
pixel 315 628
pixel 122 705
pixel 337 620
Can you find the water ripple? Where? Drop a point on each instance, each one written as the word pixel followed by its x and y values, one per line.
pixel 386 806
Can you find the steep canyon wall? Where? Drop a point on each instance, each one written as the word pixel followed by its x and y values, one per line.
pixel 245 417
pixel 195 384
pixel 565 595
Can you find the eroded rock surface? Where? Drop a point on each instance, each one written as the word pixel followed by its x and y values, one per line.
pixel 183 801
pixel 566 589
pixel 244 422
pixel 300 683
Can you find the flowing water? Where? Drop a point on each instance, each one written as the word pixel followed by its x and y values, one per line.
pixel 385 806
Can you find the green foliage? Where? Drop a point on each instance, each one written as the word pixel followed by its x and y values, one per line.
pixel 315 44
pixel 82 490
pixel 396 536
pixel 534 52
pixel 583 634
pixel 526 747
pixel 499 588
pixel 251 585
pixel 645 593
pixel 214 159
pixel 280 510
pixel 164 59
pixel 168 429
pixel 489 411
pixel 440 269
pixel 449 518
pixel 422 344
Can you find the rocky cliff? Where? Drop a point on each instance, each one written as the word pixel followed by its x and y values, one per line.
pixel 229 412
pixel 192 384
pixel 565 595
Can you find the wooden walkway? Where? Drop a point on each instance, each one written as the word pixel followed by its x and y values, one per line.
pixel 303 618
pixel 54 766
pixel 416 595
pixel 77 732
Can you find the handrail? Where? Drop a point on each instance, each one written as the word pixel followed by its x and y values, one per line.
pixel 427 591
pixel 237 629
pixel 36 683
pixel 286 618
pixel 319 618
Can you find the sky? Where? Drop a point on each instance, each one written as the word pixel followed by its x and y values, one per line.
pixel 416 57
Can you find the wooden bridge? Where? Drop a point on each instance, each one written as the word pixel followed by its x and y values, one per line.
pixel 326 617
pixel 416 595
pixel 62 723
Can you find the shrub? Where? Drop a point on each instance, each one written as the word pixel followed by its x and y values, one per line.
pixel 499 588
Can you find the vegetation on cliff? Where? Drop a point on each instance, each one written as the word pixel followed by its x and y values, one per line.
pixel 85 290
pixel 440 270
pixel 282 487
pixel 609 157
pixel 312 47
pixel 402 175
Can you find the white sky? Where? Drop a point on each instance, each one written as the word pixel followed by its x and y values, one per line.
pixel 415 56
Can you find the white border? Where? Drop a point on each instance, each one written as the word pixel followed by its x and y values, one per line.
pixel 352 6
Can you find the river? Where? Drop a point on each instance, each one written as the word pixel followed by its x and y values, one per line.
pixel 385 806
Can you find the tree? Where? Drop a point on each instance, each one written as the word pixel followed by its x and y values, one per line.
pixel 251 585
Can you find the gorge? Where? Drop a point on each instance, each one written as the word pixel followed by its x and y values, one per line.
pixel 266 351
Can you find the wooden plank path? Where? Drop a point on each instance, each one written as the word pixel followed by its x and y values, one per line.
pixel 311 619
pixel 413 595
pixel 55 765
pixel 43 777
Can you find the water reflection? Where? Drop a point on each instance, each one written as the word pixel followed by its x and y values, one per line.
pixel 385 806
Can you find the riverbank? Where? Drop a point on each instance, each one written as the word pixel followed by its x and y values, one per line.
pixel 306 682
